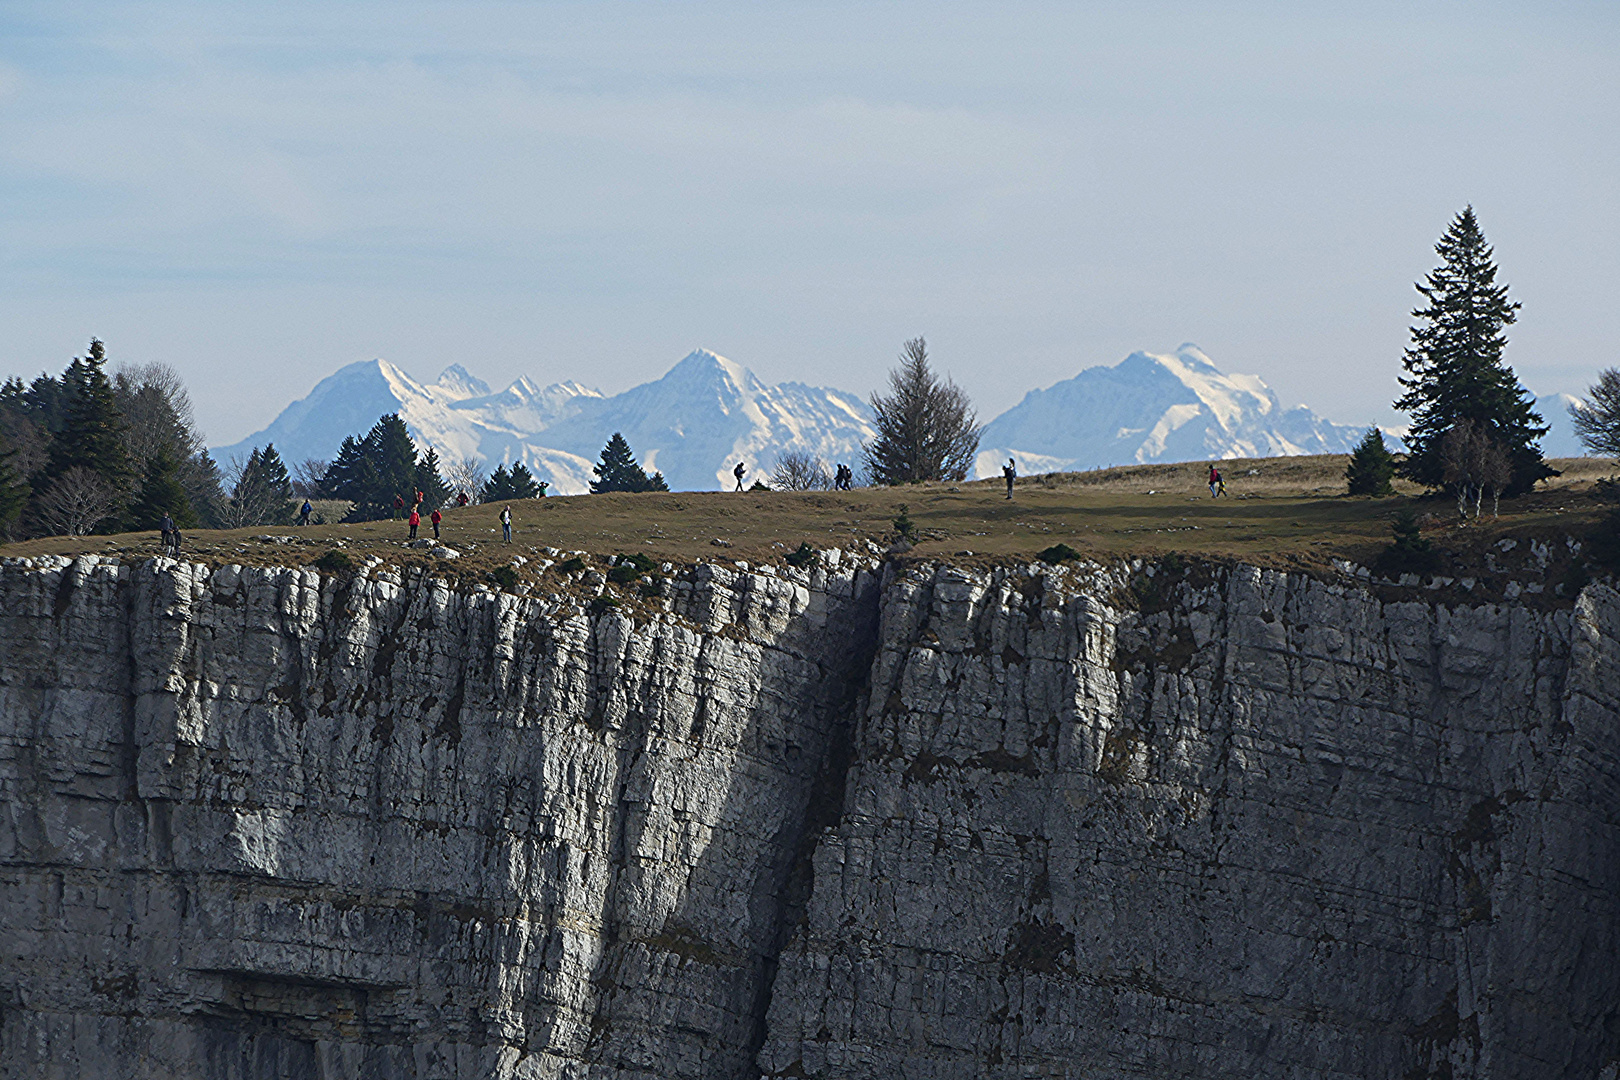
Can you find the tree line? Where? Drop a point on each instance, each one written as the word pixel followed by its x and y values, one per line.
pixel 92 451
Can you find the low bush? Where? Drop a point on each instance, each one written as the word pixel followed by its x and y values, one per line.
pixel 334 562
pixel 1058 553
pixel 803 555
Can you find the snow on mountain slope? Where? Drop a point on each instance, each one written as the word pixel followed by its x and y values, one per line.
pixel 693 424
pixel 708 413
pixel 1154 407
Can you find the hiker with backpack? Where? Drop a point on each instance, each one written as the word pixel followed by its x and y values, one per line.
pixel 435 517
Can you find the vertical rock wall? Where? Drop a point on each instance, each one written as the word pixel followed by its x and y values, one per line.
pixel 1235 824
pixel 1102 823
pixel 261 824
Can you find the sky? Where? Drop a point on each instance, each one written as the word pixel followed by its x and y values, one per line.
pixel 258 194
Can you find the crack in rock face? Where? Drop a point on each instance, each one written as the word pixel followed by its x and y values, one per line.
pixel 874 820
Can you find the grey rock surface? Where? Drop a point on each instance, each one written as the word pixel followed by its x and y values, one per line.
pixel 1084 822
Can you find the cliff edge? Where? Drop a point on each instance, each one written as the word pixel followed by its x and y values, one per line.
pixel 851 820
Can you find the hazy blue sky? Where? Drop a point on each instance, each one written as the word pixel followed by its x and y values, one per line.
pixel 260 193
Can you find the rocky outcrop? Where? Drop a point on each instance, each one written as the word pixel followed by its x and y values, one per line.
pixel 843 822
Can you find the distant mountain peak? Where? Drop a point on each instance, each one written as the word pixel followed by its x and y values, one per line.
pixel 1155 407
pixel 460 383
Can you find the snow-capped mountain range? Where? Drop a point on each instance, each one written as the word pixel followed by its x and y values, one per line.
pixel 1154 407
pixel 694 424
pixel 707 413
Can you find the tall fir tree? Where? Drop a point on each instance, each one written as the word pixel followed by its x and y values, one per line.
pixel 1456 368
pixel 161 492
pixel 372 472
pixel 504 484
pixel 263 493
pixel 429 481
pixel 13 492
pixel 1371 467
pixel 618 471
pixel 92 433
pixel 392 455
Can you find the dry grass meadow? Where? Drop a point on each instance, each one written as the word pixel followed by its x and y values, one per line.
pixel 1282 512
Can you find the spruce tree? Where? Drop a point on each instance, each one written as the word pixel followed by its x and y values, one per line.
pixel 393 456
pixel 618 470
pixel 263 493
pixel 515 483
pixel 1371 467
pixel 435 492
pixel 13 491
pixel 497 487
pixel 926 427
pixel 161 492
pixel 1456 367
pixel 92 433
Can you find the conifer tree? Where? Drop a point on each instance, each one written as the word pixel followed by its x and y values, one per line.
pixel 1456 367
pixel 926 428
pixel 435 492
pixel 1371 467
pixel 263 494
pixel 618 471
pixel 92 434
pixel 504 484
pixel 13 492
pixel 161 492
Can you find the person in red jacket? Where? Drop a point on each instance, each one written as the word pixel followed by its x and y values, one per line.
pixel 416 519
pixel 399 505
pixel 435 517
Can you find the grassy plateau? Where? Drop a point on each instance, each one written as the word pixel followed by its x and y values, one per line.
pixel 1288 513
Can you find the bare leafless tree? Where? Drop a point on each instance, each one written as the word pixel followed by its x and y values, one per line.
pixel 1496 472
pixel 76 502
pixel 796 471
pixel 466 474
pixel 926 426
pixel 1597 419
pixel 306 476
pixel 1473 463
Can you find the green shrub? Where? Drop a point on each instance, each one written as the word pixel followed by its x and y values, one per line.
pixel 571 565
pixel 905 526
pixel 1408 553
pixel 602 604
pixel 506 577
pixel 804 555
pixel 1058 553
pixel 334 562
pixel 623 574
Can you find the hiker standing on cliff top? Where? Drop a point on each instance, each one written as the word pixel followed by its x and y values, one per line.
pixel 435 517
pixel 166 526
pixel 415 520
pixel 1010 471
pixel 738 473
pixel 506 524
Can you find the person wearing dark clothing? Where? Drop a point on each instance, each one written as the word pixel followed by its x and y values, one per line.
pixel 1217 484
pixel 738 473
pixel 416 519
pixel 435 517
pixel 1010 471
pixel 506 524
pixel 166 526
pixel 399 506
pixel 304 512
pixel 543 485
pixel 461 498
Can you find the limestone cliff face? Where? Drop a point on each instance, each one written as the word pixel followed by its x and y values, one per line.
pixel 844 822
